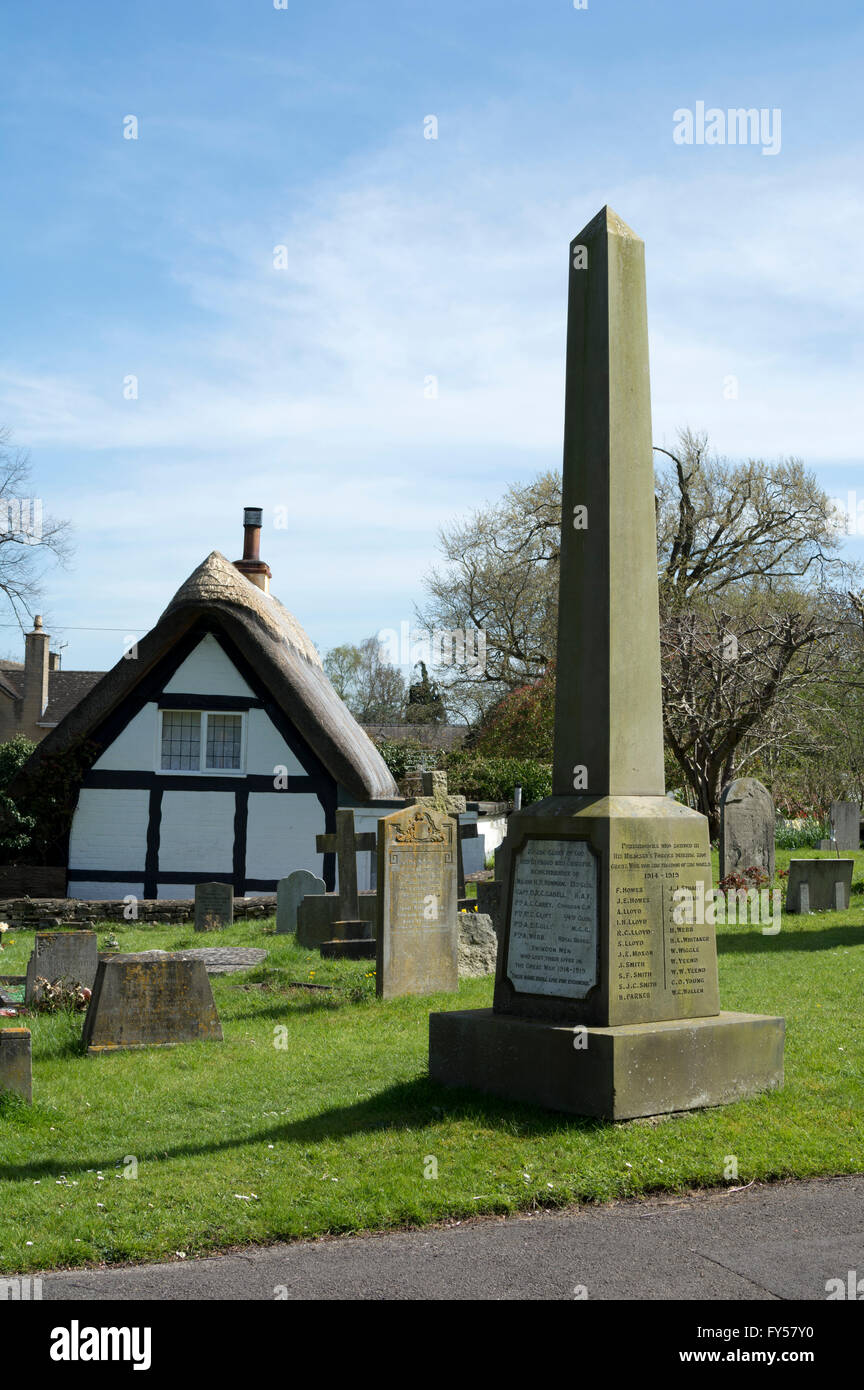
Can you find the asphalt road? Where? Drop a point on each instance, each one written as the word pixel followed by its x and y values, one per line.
pixel 780 1241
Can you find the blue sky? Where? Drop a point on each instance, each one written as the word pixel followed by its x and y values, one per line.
pixel 302 388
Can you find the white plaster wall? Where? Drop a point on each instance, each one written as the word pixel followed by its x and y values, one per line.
pixel 493 829
pixel 207 671
pixel 109 831
pixel 266 749
pixel 281 832
pixel 367 818
pixel 135 746
pixel 197 832
pixel 105 892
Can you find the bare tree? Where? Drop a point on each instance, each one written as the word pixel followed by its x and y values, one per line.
pixel 27 536
pixel 373 690
pixel 750 579
pixel 501 577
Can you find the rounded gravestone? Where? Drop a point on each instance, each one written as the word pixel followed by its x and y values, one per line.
pixel 746 827
pixel 290 893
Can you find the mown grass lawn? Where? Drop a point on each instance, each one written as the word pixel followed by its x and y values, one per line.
pixel 336 1131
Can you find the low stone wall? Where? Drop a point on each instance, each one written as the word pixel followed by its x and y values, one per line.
pixel 41 914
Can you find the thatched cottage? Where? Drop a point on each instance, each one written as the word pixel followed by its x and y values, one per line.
pixel 217 749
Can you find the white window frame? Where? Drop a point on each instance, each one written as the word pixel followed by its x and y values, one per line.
pixel 202 770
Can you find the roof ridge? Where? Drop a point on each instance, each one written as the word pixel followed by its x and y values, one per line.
pixel 216 580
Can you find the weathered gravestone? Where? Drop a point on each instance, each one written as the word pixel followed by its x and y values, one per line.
pixel 143 1000
pixel 418 932
pixel 478 945
pixel 214 906
pixel 606 997
pixel 16 1066
pixel 70 956
pixel 819 885
pixel 846 825
pixel 290 893
pixel 435 797
pixel 746 827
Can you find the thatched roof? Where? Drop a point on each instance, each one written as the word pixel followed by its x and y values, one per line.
pixel 274 645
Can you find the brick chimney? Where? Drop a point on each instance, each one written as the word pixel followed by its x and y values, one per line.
pixel 252 565
pixel 36 668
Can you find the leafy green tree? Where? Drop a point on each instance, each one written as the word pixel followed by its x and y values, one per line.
pixel 16 828
pixel 522 723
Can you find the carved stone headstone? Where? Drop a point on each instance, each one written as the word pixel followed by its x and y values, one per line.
pixel 746 827
pixel 606 997
pixel 142 1001
pixel 71 956
pixel 214 906
pixel 417 932
pixel 290 893
pixel 845 826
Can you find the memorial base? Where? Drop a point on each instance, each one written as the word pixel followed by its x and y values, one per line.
pixel 618 1073
pixel 360 949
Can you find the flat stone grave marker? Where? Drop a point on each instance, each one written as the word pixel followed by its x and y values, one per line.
pixel 214 906
pixel 144 1000
pixel 290 892
pixel 747 821
pixel 218 960
pixel 819 885
pixel 72 956
pixel 846 825
pixel 418 930
pixel 16 1066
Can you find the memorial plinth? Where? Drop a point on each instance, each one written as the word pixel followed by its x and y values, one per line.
pixel 606 999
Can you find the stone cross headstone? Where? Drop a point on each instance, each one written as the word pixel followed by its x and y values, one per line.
pixel 71 956
pixel 290 892
pixel 606 996
pixel 418 931
pixel 346 845
pixel 846 825
pixel 214 906
pixel 747 821
pixel 139 1001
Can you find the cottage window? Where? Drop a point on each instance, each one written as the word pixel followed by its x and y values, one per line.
pixel 224 740
pixel 200 741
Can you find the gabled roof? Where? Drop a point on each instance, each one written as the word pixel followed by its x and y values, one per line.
pixel 65 688
pixel 275 647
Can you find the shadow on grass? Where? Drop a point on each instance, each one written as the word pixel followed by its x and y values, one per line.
pixel 813 937
pixel 410 1105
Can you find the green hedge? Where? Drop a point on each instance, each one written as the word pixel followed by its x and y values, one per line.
pixel 493 779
